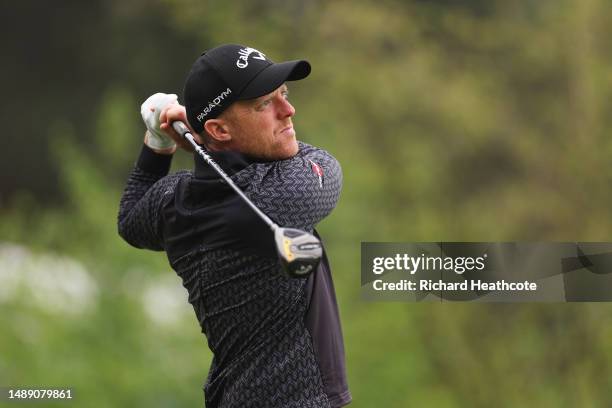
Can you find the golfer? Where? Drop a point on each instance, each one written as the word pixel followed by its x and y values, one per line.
pixel 276 340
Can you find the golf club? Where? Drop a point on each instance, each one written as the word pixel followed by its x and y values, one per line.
pixel 299 251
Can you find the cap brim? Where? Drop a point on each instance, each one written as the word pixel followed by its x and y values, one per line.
pixel 274 76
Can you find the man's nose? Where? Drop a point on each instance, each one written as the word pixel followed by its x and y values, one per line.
pixel 285 109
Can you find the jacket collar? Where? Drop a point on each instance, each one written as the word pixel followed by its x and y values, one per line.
pixel 230 162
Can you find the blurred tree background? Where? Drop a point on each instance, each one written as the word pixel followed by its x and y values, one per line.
pixel 482 120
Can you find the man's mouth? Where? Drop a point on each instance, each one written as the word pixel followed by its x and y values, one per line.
pixel 288 130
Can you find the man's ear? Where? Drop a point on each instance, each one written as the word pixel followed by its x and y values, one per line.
pixel 218 129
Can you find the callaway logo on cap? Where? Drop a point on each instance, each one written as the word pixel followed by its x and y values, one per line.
pixel 233 72
pixel 244 53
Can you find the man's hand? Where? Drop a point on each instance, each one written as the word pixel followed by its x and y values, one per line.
pixel 150 111
pixel 171 114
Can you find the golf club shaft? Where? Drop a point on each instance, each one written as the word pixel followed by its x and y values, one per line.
pixel 184 132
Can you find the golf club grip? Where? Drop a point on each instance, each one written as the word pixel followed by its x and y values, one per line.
pixel 180 128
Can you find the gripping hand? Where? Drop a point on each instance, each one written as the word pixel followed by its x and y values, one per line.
pixel 150 110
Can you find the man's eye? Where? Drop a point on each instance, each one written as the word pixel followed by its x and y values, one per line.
pixel 263 104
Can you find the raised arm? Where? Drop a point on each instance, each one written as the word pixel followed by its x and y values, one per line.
pixel 148 186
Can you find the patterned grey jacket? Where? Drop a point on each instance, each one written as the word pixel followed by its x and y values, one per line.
pixel 276 341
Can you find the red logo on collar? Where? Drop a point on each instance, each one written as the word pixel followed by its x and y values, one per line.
pixel 318 171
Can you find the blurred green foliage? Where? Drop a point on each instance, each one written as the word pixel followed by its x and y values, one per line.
pixel 468 121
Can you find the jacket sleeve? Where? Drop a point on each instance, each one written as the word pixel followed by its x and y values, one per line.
pixel 140 210
pixel 297 192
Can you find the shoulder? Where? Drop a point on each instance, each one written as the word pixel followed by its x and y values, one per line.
pixel 302 159
pixel 312 170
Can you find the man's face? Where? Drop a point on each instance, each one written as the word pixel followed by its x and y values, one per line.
pixel 262 127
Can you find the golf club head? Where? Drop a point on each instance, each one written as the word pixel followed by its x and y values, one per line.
pixel 299 251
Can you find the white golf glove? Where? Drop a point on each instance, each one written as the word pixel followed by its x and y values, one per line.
pixel 150 110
